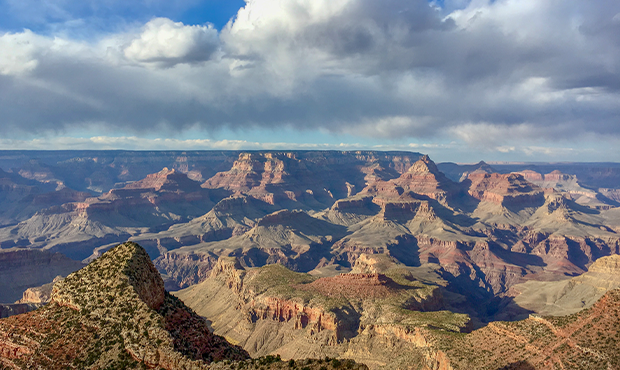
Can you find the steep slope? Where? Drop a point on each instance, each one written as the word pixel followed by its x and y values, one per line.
pixel 507 190
pixel 272 310
pixel 112 313
pixel 231 216
pixel 310 180
pixel 423 178
pixel 115 314
pixel 585 340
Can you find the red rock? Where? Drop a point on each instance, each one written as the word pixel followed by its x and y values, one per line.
pixel 509 189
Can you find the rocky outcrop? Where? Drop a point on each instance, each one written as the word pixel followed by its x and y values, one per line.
pixel 557 176
pixel 606 265
pixel 506 190
pixel 40 295
pixel 274 310
pixel 166 180
pixel 120 314
pixel 531 176
pixel 316 319
pixel 425 179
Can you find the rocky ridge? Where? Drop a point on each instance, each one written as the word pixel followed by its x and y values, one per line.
pixel 118 314
pixel 115 313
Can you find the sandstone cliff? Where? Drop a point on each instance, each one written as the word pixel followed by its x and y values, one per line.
pixel 272 310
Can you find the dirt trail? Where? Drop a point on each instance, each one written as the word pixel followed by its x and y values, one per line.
pixel 543 353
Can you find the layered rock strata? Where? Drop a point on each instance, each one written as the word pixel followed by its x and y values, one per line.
pixel 272 310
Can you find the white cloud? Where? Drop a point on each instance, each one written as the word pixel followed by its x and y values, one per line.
pixel 20 52
pixel 167 43
pixel 490 74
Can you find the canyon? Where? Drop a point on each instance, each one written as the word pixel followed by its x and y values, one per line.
pixel 486 230
pixel 115 313
pixel 306 254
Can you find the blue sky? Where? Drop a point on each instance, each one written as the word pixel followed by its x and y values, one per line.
pixel 96 17
pixel 461 80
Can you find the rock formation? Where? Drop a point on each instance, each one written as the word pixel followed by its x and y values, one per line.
pixel 271 310
pixel 321 211
pixel 505 190
pixel 41 294
pixel 305 180
pixel 115 313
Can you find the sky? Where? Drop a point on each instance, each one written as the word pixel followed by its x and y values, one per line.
pixel 461 80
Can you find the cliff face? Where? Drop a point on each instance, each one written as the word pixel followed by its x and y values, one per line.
pixel 307 180
pixel 506 190
pixel 424 178
pixel 23 269
pixel 272 310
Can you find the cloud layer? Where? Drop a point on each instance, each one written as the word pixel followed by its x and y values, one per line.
pixel 483 72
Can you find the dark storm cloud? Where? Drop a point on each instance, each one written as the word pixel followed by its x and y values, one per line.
pixel 530 69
